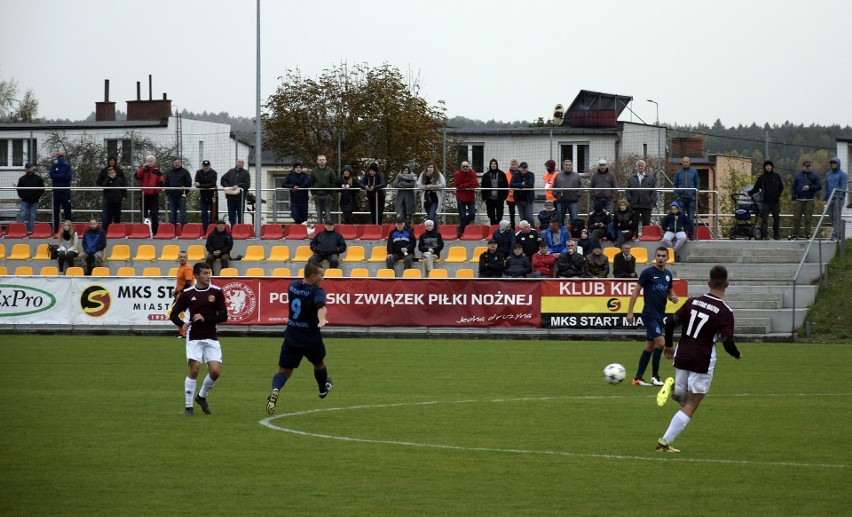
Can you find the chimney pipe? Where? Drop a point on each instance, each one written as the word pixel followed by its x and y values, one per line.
pixel 165 96
pixel 138 90
pixel 150 88
pixel 106 90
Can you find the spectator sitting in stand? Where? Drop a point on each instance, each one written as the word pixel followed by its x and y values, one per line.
pixel 556 238
pixel 586 243
pixel 430 245
pixel 401 243
pixel 599 222
pixel 597 265
pixel 676 226
pixel 491 261
pixel 327 245
pixel 543 262
pixel 94 243
pixel 219 244
pixel 571 264
pixel 528 238
pixel 505 238
pixel 548 214
pixel 623 224
pixel 518 265
pixel 624 264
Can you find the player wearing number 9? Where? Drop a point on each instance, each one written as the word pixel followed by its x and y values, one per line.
pixel 303 338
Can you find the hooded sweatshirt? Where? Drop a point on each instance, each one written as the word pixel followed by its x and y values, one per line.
pixel 836 179
pixel 769 184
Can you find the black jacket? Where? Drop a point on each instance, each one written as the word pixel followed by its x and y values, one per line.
pixel 487 183
pixel 517 266
pixel 770 185
pixel 220 241
pixel 328 242
pixel 401 240
pixel 114 195
pixel 570 265
pixel 30 180
pixel 206 183
pixel 176 181
pixel 431 239
pixel 491 264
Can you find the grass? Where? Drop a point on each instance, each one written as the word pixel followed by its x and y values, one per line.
pixel 830 314
pixel 93 425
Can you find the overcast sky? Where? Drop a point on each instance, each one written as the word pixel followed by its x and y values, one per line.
pixel 739 61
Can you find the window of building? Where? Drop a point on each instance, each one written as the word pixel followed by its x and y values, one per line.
pixel 120 148
pixel 577 153
pixel 14 152
pixel 473 153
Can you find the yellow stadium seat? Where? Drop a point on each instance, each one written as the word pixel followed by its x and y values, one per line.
pixel 20 252
pixel 477 251
pixel 303 253
pixel 333 272
pixel 671 259
pixel 145 252
pixel 173 272
pixel 49 271
pixel 74 271
pixel 42 252
pixel 385 273
pixel 229 271
pixel 379 254
pixel 279 253
pixel 169 253
pixel 611 252
pixel 120 252
pixel 254 253
pixel 456 254
pixel 412 273
pixel 465 272
pixel 2 251
pixel 641 254
pixel 355 254
pixel 301 273
pixel 3 270
pixel 25 271
pixel 126 271
pixel 100 271
pixel 196 253
pixel 255 271
pixel 281 272
pixel 359 272
pixel 439 273
pixel 152 271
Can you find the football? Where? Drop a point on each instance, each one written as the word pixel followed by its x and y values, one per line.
pixel 614 373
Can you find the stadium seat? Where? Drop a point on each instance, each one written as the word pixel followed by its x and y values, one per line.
pixel 465 272
pixel 651 232
pixel 315 229
pixel 279 253
pixel 74 271
pixel 20 252
pixel 145 252
pixel 42 231
pixel 473 232
pixel 439 273
pixel 254 253
pixel 173 272
pixel 281 272
pixel 347 231
pixel 355 254
pixel 2 251
pixel 333 272
pixel 126 271
pixel 641 254
pixel 3 271
pixel 191 231
pixel 296 231
pixel 166 231
pixel 611 252
pixel 151 271
pixel 54 271
pixel 386 229
pixel 139 231
pixel 25 271
pixel 196 253
pixel 169 253
pixel 119 252
pixel 81 228
pixel 412 273
pixel 418 229
pixel 477 251
pixel 16 231
pixel 448 232
pixel 242 232
pixel 271 232
pixel 385 273
pixel 301 273
pixel 116 231
pixel 359 272
pixel 303 253
pixel 379 254
pixel 42 252
pixel 98 270
pixel 456 254
pixel 212 227
pixel 702 233
pixel 371 232
pixel 671 259
pixel 229 271
pixel 255 271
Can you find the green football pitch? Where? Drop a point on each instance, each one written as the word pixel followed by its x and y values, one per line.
pixel 94 425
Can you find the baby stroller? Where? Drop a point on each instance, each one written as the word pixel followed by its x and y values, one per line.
pixel 745 216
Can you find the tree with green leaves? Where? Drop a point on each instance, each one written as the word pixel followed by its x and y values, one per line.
pixel 14 109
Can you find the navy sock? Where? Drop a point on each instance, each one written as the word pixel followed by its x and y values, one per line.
pixel 643 364
pixel 321 376
pixel 278 381
pixel 655 362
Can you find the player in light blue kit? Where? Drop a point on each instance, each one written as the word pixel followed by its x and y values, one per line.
pixel 303 337
pixel 657 283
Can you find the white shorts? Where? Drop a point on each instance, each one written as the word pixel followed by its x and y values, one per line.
pixel 694 382
pixel 204 350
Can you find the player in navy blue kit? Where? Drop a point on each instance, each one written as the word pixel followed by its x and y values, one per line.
pixel 657 283
pixel 303 337
pixel 705 319
pixel 205 307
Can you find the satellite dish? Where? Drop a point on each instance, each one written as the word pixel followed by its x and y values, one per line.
pixel 558 114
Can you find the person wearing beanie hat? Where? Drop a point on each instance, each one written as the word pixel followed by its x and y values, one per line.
pixel 495 189
pixel 597 264
pixel 548 214
pixel 805 186
pixel 30 189
pixel 373 183
pixel 770 185
pixel 236 183
pixel 676 226
pixel 835 179
pixel 205 182
pixel 298 183
pixel 60 174
pixel 505 238
pixel 549 176
pixel 599 221
pixel 603 185
pixel 348 184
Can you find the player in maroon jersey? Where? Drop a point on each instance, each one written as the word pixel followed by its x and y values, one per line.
pixel 204 304
pixel 705 319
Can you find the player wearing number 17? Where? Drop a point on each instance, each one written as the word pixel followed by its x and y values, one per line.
pixel 705 319
pixel 302 338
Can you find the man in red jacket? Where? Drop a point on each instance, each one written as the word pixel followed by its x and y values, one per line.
pixel 466 183
pixel 151 180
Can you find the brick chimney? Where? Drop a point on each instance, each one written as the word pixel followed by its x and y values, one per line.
pixel 105 110
pixel 692 146
pixel 150 109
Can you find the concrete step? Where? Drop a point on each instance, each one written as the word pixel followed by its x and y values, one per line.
pixel 754 304
pixel 743 274
pixel 752 326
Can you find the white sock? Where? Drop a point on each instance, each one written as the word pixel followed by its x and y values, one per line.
pixel 189 390
pixel 678 424
pixel 206 386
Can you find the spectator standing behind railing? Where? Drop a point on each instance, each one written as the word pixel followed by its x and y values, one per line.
pixel 566 189
pixel 236 183
pixel 30 190
pixel 466 182
pixel 432 183
pixel 686 178
pixel 348 184
pixel 406 184
pixel 602 185
pixel 642 202
pixel 550 173
pixel 805 186
pixel 113 197
pixel 510 197
pixel 177 182
pixel 494 192
pixel 373 185
pixel 205 182
pixel 523 184
pixel 322 177
pixel 835 178
pixel 298 183
pixel 770 185
pixel 102 178
pixel 60 174
pixel 151 180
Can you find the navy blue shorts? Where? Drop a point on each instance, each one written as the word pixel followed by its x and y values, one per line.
pixel 654 327
pixel 292 353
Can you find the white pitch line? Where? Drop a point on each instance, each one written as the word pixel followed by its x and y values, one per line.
pixel 267 422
